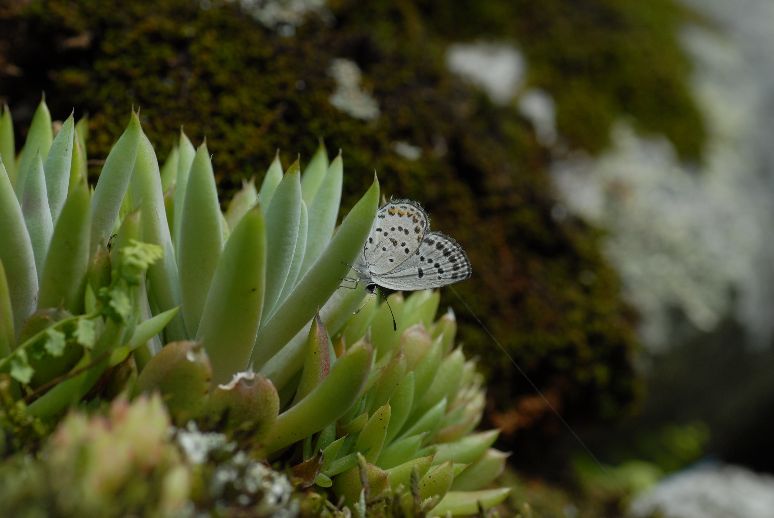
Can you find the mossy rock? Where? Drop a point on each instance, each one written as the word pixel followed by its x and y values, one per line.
pixel 540 281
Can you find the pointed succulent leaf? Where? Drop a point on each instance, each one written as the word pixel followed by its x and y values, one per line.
pixel 428 422
pixel 466 503
pixel 283 216
pixel 437 481
pixel 270 182
pixel 358 324
pixel 387 381
pixel 371 439
pixel 401 474
pixel 445 381
pixel 201 239
pixel 169 170
pixel 421 308
pixel 426 368
pixel 7 335
pixel 320 281
pixel 482 472
pixel 416 344
pixel 242 201
pixel 323 211
pixel 331 452
pixel 37 215
pixel 16 253
pixel 446 327
pixel 163 276
pixel 234 303
pixel 38 142
pixel 342 464
pixel 383 326
pixel 298 254
pixel 290 359
pixel 318 359
pixel 7 144
pixel 401 451
pixel 78 165
pixel 147 329
pixel 186 153
pixel 314 173
pixel 82 130
pixel 326 403
pixel 350 484
pixel 57 167
pixel 468 449
pixel 113 183
pixel 67 261
pixel 401 402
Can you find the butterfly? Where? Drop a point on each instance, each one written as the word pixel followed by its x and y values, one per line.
pixel 401 254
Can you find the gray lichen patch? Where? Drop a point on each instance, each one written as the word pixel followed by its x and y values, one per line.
pixel 497 68
pixel 349 97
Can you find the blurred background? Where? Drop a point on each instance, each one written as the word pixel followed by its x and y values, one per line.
pixel 607 164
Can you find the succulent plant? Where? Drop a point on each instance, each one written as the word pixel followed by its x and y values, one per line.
pixel 236 319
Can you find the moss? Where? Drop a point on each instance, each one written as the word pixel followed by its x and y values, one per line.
pixel 540 283
pixel 599 59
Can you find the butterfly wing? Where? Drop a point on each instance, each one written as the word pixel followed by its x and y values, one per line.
pixel 395 236
pixel 438 261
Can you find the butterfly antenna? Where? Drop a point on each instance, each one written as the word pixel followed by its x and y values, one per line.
pixel 394 323
pixel 530 382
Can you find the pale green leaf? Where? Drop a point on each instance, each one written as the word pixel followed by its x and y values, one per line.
pixel 169 170
pixel 298 255
pixel 39 138
pixel 234 303
pixel 242 201
pixel 57 167
pixel 163 275
pixel 323 211
pixel 79 170
pixel 282 221
pixel 150 328
pixel 321 281
pixel 7 336
pixel 86 332
pixel 7 144
pixel 326 403
pixel 37 215
pixel 201 239
pixel 186 153
pixel 121 303
pixel 113 183
pixel 16 253
pixel 67 261
pixel 21 370
pixel 270 182
pixel 314 173
pixel 55 342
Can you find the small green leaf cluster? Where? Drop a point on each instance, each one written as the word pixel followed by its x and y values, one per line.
pixel 68 300
pixel 405 442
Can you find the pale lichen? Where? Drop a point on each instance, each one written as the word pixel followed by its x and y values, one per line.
pixel 349 97
pixel 497 68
